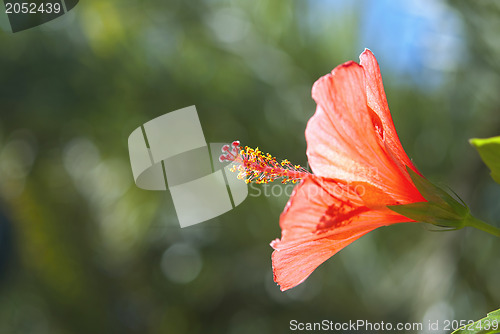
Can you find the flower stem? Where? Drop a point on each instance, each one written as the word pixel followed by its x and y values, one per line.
pixel 479 224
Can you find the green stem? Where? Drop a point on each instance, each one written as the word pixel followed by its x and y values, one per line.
pixel 479 224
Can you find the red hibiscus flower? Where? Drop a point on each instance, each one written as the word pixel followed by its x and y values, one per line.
pixel 362 178
pixel 359 169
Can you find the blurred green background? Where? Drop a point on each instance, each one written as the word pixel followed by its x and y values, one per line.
pixel 83 250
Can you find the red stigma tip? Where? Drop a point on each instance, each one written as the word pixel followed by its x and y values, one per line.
pixel 230 153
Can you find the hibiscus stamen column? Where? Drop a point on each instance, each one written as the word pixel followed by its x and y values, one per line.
pixel 253 165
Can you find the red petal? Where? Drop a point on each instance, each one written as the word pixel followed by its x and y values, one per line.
pixel 322 217
pixel 333 134
pixel 346 138
pixel 377 101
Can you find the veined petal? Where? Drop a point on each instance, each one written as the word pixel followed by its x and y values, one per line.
pixel 322 217
pixel 332 134
pixel 377 101
pixel 346 138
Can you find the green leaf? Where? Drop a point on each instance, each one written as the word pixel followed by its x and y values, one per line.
pixel 489 150
pixel 488 325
